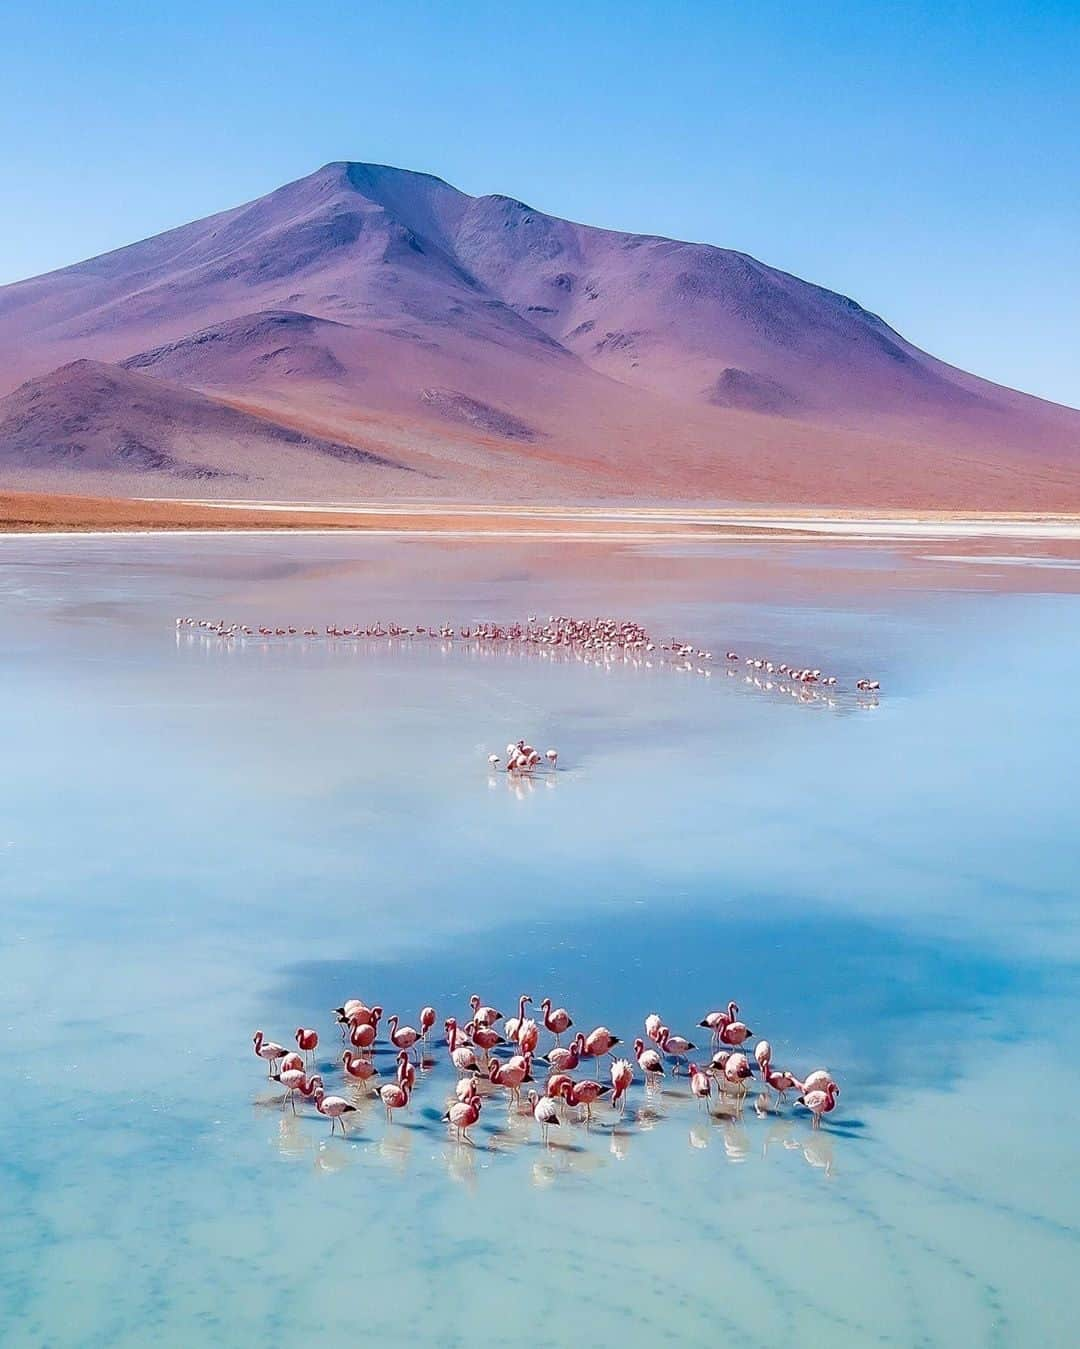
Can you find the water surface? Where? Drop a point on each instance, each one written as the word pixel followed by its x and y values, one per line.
pixel 197 840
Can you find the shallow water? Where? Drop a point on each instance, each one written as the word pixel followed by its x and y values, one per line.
pixel 198 841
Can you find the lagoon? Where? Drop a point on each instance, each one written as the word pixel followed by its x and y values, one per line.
pixel 199 840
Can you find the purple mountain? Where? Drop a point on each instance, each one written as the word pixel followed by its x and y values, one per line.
pixel 498 352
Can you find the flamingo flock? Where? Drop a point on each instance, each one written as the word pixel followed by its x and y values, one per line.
pixel 523 758
pixel 491 1056
pixel 591 639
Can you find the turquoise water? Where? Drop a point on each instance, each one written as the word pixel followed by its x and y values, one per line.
pixel 198 841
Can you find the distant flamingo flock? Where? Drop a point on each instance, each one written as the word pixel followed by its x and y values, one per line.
pixel 602 640
pixel 491 1055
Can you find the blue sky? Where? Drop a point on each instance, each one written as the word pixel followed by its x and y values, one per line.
pixel 924 158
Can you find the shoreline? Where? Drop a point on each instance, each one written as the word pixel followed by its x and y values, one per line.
pixel 28 515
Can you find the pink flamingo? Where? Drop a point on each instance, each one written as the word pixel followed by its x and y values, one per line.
pixel 653 1025
pixel 307 1040
pixel 509 1075
pixel 737 1072
pixel 675 1047
pixel 512 1025
pixel 700 1084
pixel 622 1076
pixel 557 1021
pixel 716 1021
pixel 406 1072
pixel 462 1056
pixel 818 1080
pixel 558 1086
pixel 268 1050
pixel 483 1016
pixel 427 1020
pixel 528 1036
pixel 820 1102
pixel 599 1042
pixel 649 1061
pixel 735 1033
pixel 293 1080
pixel 395 1096
pixel 368 1016
pixel 463 1115
pixel 359 1068
pixel 405 1038
pixel 763 1055
pixel 586 1093
pixel 566 1060
pixel 334 1107
pixel 291 1061
pixel 362 1036
pixel 484 1037
pixel 545 1111
pixel 781 1082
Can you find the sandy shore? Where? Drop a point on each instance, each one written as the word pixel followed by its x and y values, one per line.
pixel 28 513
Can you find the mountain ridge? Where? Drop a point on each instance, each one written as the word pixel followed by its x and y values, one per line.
pixel 414 304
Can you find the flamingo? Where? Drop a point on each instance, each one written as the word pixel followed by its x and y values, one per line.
pixel 566 1060
pixel 820 1102
pixel 510 1075
pixel 461 1056
pixel 719 1063
pixel 652 1027
pixel 622 1076
pixel 334 1107
pixel 293 1080
pixel 403 1038
pixel 484 1037
pixel 348 1008
pixel 545 1111
pixel 735 1033
pixel 359 1068
pixel 557 1021
pixel 291 1061
pixel 528 1036
pixel 307 1040
pixel 406 1072
pixel 818 1080
pixel 737 1071
pixel 763 1055
pixel 599 1042
pixel 558 1086
pixel 362 1015
pixel 427 1020
pixel 483 1016
pixel 700 1084
pixel 552 756
pixel 463 1115
pixel 781 1082
pixel 586 1093
pixel 715 1021
pixel 511 1027
pixel 362 1036
pixel 674 1046
pixel 395 1096
pixel 268 1050
pixel 649 1061
pixel 493 762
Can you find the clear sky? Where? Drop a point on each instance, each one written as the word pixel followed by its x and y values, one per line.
pixel 921 157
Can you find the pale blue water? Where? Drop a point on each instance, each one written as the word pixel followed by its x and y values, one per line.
pixel 195 842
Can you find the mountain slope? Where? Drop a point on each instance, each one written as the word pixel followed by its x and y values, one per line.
pixel 100 419
pixel 503 350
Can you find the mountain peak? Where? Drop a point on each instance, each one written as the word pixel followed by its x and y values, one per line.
pixel 375 296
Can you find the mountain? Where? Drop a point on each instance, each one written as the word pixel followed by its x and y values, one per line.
pixel 496 352
pixel 94 417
